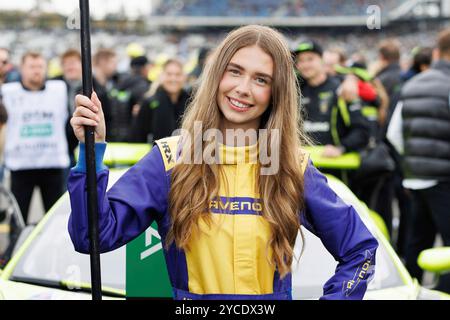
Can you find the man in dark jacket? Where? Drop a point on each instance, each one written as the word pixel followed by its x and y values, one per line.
pixel 390 73
pixel 72 74
pixel 332 108
pixel 420 130
pixel 160 114
pixel 421 61
pixel 104 69
pixel 126 97
pixel 331 119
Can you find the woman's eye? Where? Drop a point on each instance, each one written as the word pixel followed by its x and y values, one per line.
pixel 261 80
pixel 234 71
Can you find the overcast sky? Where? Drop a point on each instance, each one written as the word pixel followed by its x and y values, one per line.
pixel 98 8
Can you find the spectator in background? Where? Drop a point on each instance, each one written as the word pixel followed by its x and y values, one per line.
pixel 372 94
pixel 126 96
pixel 334 58
pixel 373 172
pixel 139 82
pixel 390 75
pixel 341 131
pixel 3 120
pixel 420 131
pixel 389 72
pixel 6 247
pixel 359 59
pixel 72 76
pixel 104 69
pixel 421 62
pixel 7 71
pixel 201 61
pixel 160 114
pixel 36 145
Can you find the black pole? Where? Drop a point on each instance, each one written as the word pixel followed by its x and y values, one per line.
pixel 90 155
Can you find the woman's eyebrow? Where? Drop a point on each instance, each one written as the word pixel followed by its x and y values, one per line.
pixel 259 74
pixel 235 65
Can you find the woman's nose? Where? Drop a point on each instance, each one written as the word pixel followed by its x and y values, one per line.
pixel 243 88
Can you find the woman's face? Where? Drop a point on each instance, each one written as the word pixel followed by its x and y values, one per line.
pixel 245 89
pixel 173 78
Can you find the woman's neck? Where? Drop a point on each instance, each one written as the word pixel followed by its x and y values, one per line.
pixel 239 135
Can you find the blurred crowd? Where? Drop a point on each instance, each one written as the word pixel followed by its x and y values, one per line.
pixel 394 112
pixel 185 45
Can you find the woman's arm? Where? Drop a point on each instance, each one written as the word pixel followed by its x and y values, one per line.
pixel 344 235
pixel 127 209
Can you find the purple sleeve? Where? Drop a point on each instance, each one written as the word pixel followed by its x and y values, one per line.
pixel 343 234
pixel 126 210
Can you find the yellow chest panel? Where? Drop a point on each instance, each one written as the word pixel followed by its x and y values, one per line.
pixel 231 256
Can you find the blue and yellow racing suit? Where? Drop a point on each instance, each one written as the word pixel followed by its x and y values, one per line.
pixel 229 259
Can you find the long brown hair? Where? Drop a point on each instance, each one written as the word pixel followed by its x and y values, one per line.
pixel 193 186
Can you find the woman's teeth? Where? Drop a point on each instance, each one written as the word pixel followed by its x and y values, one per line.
pixel 238 104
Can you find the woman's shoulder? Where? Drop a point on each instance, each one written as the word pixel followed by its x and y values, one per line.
pixel 168 148
pixel 304 158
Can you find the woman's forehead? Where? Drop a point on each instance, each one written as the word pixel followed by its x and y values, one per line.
pixel 253 59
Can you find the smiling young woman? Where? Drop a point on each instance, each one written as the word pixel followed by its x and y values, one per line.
pixel 245 89
pixel 228 229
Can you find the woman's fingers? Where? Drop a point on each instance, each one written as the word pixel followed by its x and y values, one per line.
pixel 87 113
pixel 96 100
pixel 80 121
pixel 98 104
pixel 83 101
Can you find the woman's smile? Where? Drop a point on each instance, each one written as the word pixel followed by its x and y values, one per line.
pixel 238 105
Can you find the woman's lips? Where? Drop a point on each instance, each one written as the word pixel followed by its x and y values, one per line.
pixel 238 106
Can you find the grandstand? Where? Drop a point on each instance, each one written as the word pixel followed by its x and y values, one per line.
pixel 282 8
pixel 289 13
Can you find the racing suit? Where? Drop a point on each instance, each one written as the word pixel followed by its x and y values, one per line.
pixel 229 258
